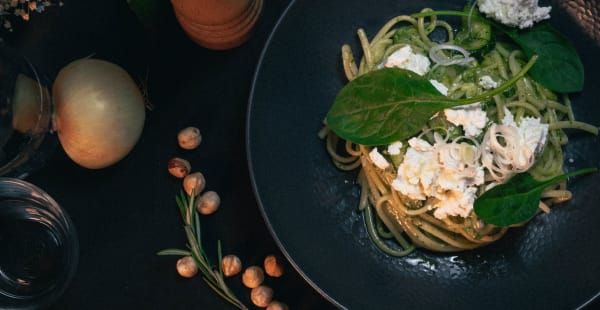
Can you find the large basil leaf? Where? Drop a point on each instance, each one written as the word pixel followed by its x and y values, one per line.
pixel 393 104
pixel 384 106
pixel 559 67
pixel 517 200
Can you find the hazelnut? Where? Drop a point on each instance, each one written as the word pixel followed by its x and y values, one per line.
pixel 194 182
pixel 231 265
pixel 189 138
pixel 186 267
pixel 253 276
pixel 277 305
pixel 208 203
pixel 273 266
pixel 179 167
pixel 261 296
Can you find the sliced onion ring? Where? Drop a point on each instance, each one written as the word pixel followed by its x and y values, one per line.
pixel 445 61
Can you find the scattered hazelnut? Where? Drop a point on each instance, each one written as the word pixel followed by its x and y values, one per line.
pixel 189 138
pixel 194 182
pixel 261 296
pixel 208 203
pixel 179 167
pixel 277 305
pixel 273 266
pixel 231 265
pixel 186 267
pixel 253 276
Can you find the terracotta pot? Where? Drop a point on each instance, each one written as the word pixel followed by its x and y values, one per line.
pixel 219 36
pixel 232 26
pixel 211 12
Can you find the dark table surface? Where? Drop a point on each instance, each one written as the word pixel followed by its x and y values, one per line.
pixel 126 213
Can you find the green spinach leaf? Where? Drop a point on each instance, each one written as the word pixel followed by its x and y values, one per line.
pixel 517 200
pixel 393 104
pixel 384 106
pixel 559 68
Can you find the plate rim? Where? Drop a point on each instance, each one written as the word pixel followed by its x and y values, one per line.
pixel 252 173
pixel 251 168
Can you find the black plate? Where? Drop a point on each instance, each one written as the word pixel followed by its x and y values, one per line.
pixel 310 206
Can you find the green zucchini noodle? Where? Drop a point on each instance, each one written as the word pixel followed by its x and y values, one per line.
pixel 398 224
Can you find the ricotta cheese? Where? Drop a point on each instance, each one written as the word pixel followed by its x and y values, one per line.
pixel 470 117
pixel 417 170
pixel 404 58
pixel 378 159
pixel 486 82
pixel 444 176
pixel 395 148
pixel 515 13
pixel 532 132
pixel 510 148
pixel 455 203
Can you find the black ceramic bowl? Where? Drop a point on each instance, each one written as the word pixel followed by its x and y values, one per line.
pixel 311 207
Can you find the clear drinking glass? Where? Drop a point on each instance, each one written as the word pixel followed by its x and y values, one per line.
pixel 25 115
pixel 38 245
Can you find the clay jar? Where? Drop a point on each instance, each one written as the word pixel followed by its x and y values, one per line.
pixel 217 24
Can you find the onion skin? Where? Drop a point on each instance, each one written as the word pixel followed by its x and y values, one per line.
pixel 99 112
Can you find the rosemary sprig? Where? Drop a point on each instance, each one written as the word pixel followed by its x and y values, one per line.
pixel 213 276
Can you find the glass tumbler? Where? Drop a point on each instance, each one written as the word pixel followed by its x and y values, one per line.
pixel 25 115
pixel 38 245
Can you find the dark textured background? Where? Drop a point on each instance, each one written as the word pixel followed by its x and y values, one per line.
pixel 126 213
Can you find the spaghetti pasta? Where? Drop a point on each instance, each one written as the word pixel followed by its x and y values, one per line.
pixel 388 213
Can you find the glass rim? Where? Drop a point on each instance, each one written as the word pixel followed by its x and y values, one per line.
pixel 14 188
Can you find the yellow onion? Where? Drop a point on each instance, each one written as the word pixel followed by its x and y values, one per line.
pixel 99 112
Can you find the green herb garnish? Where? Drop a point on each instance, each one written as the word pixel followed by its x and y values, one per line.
pixel 213 276
pixel 559 67
pixel 517 200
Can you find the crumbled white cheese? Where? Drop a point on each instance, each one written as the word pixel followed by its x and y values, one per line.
pixel 420 145
pixel 417 170
pixel 378 159
pixel 440 87
pixel 455 203
pixel 531 131
pixel 471 117
pixel 444 175
pixel 404 58
pixel 487 82
pixel 508 118
pixel 510 148
pixel 395 148
pixel 515 13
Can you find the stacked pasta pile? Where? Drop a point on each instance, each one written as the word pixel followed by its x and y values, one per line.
pixel 388 213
